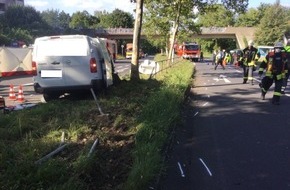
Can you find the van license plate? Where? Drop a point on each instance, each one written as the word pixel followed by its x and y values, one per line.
pixel 51 73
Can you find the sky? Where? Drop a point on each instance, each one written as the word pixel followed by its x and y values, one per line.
pixel 72 6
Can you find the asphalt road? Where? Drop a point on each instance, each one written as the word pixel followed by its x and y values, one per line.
pixel 231 139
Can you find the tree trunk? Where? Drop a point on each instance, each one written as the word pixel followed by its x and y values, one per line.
pixel 136 41
pixel 173 35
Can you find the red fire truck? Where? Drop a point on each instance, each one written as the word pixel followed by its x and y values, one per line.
pixel 188 50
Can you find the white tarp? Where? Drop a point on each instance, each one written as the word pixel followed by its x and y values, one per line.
pixel 15 61
pixel 149 67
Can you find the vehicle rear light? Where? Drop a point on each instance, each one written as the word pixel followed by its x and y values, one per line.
pixel 93 65
pixel 34 68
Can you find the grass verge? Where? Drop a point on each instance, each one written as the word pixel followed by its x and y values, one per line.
pixel 131 135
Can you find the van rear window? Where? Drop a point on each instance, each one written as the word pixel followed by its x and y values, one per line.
pixel 62 47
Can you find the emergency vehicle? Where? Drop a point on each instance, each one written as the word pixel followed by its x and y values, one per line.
pixel 112 47
pixel 188 50
pixel 129 50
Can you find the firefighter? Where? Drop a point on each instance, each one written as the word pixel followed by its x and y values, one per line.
pixel 219 59
pixel 287 72
pixel 275 64
pixel 250 55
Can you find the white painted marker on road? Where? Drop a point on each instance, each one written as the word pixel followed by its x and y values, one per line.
pixel 181 171
pixel 204 104
pixel 205 167
pixel 195 114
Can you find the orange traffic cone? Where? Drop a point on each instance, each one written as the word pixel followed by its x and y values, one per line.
pixel 12 95
pixel 20 97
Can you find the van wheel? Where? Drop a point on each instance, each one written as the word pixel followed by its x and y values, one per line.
pixel 48 96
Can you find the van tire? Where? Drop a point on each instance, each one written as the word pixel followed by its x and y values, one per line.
pixel 48 96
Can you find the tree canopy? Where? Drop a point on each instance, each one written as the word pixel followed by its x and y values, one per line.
pixel 273 25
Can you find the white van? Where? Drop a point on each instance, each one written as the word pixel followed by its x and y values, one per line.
pixel 67 63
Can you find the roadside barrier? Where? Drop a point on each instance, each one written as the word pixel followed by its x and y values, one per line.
pixel 20 97
pixel 12 95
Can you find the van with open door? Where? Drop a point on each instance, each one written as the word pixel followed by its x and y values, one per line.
pixel 68 63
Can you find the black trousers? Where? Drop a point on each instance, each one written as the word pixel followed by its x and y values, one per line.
pixel 267 83
pixel 248 73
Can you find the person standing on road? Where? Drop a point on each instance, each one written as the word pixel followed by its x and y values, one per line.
pixel 213 57
pixel 287 72
pixel 249 62
pixel 219 59
pixel 201 56
pixel 275 64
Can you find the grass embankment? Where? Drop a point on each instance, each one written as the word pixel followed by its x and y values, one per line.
pixel 140 116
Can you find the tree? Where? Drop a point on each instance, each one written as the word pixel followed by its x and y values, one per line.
pixel 23 22
pixel 272 26
pixel 174 11
pixel 122 19
pixel 252 17
pixel 136 40
pixel 83 20
pixel 182 16
pixel 216 15
pixel 57 20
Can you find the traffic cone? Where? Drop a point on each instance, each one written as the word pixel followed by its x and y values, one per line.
pixel 12 95
pixel 20 97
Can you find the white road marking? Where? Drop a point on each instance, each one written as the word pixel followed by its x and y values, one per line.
pixel 204 104
pixel 205 167
pixel 195 114
pixel 181 171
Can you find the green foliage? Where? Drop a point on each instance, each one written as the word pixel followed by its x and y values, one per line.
pixel 25 18
pixel 159 115
pixel 251 18
pixel 56 19
pixel 83 20
pixel 272 26
pixel 4 40
pixel 116 19
pixel 216 16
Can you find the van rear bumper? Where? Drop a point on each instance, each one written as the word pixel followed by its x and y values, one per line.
pixel 95 84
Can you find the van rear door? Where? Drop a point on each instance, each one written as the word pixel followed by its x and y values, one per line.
pixel 49 66
pixel 65 61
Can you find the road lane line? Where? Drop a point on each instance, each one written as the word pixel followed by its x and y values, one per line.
pixel 204 104
pixel 181 171
pixel 205 167
pixel 195 114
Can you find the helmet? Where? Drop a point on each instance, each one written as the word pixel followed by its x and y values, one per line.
pixel 278 45
pixel 250 43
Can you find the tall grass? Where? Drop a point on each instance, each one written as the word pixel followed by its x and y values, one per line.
pixel 160 113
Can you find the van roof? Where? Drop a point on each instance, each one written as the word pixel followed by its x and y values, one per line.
pixel 62 36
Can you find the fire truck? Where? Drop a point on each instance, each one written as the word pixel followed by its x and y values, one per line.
pixel 188 50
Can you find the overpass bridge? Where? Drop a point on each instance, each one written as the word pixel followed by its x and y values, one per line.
pixel 240 34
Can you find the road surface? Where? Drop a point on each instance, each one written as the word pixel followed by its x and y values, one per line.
pixel 231 139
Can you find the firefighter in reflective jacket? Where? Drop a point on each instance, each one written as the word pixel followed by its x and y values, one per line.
pixel 250 55
pixel 275 64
